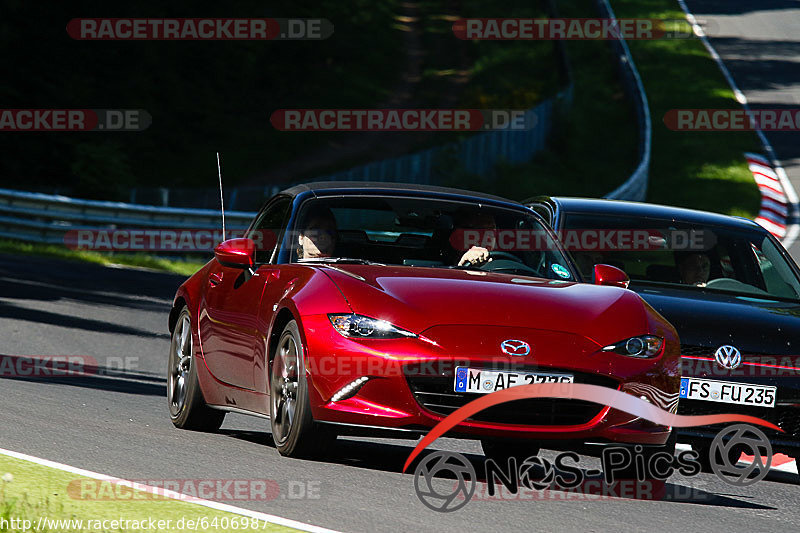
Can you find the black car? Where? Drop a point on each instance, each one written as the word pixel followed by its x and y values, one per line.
pixel 725 283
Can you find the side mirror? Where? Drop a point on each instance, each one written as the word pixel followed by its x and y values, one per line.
pixel 236 253
pixel 611 276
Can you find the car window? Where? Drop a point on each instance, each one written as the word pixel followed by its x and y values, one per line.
pixel 721 258
pixel 543 211
pixel 777 274
pixel 268 227
pixel 429 233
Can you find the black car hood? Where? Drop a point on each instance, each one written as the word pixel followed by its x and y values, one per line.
pixel 711 319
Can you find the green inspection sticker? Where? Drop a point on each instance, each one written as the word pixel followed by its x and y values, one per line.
pixel 560 270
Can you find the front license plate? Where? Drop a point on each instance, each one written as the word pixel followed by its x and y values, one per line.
pixel 482 381
pixel 728 392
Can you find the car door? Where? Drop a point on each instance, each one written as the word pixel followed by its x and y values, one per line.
pixel 231 327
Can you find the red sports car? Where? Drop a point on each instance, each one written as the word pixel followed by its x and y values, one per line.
pixel 381 308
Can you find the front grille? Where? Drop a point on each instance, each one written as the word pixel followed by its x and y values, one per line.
pixel 699 351
pixel 435 393
pixel 705 351
pixel 786 418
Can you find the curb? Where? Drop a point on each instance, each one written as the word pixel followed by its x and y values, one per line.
pixel 774 204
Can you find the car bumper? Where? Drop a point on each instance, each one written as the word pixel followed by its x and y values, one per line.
pixel 410 389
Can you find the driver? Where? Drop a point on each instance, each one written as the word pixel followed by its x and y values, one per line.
pixel 318 234
pixel 695 269
pixel 476 220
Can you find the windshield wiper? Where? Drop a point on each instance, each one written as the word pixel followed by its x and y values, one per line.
pixel 339 260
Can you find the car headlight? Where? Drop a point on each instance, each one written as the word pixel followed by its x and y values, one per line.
pixel 644 346
pixel 364 327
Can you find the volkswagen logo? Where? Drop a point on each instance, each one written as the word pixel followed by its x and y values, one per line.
pixel 728 357
pixel 515 347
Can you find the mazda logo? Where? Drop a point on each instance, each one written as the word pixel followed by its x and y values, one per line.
pixel 515 347
pixel 728 357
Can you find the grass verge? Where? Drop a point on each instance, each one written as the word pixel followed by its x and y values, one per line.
pixel 37 492
pixel 593 147
pixel 593 144
pixel 186 267
pixel 700 170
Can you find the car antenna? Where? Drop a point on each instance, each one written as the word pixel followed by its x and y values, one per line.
pixel 221 201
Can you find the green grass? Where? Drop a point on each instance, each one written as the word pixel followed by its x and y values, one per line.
pixel 463 74
pixel 594 148
pixel 204 97
pixel 498 74
pixel 700 170
pixel 39 491
pixel 593 145
pixel 185 267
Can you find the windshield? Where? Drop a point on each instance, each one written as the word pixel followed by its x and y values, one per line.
pixel 742 262
pixel 423 233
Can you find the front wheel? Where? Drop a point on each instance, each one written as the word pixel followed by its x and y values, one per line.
pixel 187 408
pixel 293 428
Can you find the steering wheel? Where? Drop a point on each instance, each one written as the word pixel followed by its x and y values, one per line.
pixel 506 262
pixel 502 255
pixel 732 284
pixel 493 256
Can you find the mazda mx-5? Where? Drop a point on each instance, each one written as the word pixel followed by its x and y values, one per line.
pixel 377 309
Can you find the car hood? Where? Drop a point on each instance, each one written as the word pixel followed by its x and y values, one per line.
pixel 711 319
pixel 419 298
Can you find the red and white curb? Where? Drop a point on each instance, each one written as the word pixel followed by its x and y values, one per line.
pixel 780 462
pixel 791 230
pixel 774 204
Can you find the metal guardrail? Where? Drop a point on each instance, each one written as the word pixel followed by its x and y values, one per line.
pixel 635 187
pixel 46 218
pixel 477 154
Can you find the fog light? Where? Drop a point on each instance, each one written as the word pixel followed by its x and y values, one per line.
pixel 349 390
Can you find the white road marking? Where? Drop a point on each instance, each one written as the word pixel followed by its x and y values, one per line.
pixel 161 492
pixel 779 462
pixel 792 228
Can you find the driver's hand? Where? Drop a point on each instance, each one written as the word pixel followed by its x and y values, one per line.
pixel 475 255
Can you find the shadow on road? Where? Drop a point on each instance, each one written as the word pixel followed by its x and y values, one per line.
pixel 387 457
pixel 22 368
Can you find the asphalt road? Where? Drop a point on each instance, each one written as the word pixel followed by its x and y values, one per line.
pixel 116 423
pixel 759 42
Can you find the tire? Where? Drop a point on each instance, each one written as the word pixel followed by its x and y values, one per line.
pixel 704 459
pixel 500 450
pixel 187 407
pixel 294 431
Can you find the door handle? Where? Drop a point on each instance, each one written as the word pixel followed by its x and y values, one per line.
pixel 214 279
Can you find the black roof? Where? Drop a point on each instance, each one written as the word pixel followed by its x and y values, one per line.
pixel 384 187
pixel 645 210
